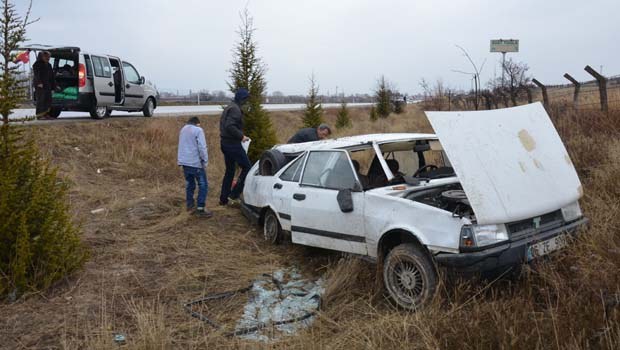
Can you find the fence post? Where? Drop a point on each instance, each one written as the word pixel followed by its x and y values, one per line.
pixel 602 86
pixel 543 88
pixel 577 88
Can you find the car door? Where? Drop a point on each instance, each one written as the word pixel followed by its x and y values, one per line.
pixel 103 80
pixel 316 217
pixel 134 87
pixel 286 184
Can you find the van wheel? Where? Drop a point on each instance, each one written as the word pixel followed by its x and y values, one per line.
pixel 409 276
pixel 149 107
pixel 55 112
pixel 100 112
pixel 272 231
pixel 271 162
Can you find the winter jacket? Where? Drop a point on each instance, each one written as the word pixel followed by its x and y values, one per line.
pixel 304 135
pixel 231 124
pixel 43 74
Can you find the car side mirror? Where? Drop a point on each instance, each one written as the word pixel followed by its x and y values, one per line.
pixel 345 200
pixel 142 80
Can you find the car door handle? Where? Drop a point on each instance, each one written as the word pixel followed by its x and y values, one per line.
pixel 127 86
pixel 299 196
pixel 110 84
pixel 277 186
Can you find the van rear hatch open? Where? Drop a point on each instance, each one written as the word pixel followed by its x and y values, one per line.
pixel 511 162
pixel 65 61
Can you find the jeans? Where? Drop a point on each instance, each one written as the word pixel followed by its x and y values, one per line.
pixel 193 176
pixel 234 155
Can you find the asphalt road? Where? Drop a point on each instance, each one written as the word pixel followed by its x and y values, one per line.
pixel 168 111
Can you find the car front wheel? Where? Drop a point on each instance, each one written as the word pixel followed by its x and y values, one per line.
pixel 149 107
pixel 409 276
pixel 272 231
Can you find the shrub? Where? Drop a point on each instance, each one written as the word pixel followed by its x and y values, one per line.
pixel 38 242
pixel 373 114
pixel 342 119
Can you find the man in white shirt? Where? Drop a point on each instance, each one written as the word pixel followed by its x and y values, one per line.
pixel 193 157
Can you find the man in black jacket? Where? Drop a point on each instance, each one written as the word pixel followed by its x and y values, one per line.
pixel 44 83
pixel 311 134
pixel 231 137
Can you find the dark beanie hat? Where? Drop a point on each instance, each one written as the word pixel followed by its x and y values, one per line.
pixel 241 95
pixel 193 121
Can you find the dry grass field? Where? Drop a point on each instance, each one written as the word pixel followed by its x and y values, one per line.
pixel 148 256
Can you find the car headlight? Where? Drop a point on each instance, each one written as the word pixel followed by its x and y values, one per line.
pixel 572 212
pixel 473 236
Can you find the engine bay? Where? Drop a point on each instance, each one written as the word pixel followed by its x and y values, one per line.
pixel 450 198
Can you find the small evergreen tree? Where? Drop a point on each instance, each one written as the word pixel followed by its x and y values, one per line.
pixel 248 71
pixel 313 116
pixel 373 114
pixel 38 242
pixel 343 120
pixel 383 97
pixel 12 34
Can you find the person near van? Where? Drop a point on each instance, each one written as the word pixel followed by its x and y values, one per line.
pixel 44 83
pixel 193 157
pixel 311 134
pixel 231 137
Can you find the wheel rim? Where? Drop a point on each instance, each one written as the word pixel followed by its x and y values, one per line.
pixel 406 281
pixel 101 111
pixel 270 229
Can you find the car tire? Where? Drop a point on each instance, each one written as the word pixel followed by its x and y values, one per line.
pixel 271 162
pixel 149 107
pixel 100 112
pixel 55 112
pixel 409 276
pixel 272 230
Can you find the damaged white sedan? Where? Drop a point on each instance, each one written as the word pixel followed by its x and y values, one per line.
pixel 491 190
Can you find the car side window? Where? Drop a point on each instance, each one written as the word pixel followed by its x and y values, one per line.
pixel 329 169
pixel 293 172
pixel 131 74
pixel 102 67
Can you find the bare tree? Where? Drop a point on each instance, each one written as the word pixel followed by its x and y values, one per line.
pixel 516 82
pixel 475 76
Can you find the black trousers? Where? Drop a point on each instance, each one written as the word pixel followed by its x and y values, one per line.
pixel 44 101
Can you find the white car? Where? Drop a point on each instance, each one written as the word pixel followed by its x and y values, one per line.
pixel 492 190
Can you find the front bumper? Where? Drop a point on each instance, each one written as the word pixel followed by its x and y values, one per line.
pixel 509 254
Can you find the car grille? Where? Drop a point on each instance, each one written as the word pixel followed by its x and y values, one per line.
pixel 527 227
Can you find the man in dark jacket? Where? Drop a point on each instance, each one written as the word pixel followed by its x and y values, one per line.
pixel 231 137
pixel 44 83
pixel 311 134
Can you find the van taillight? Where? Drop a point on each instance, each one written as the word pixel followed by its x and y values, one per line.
pixel 82 75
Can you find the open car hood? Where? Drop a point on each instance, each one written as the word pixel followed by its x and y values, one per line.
pixel 510 162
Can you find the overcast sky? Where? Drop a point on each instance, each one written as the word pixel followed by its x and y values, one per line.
pixel 186 44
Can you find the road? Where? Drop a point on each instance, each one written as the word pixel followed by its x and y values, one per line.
pixel 172 111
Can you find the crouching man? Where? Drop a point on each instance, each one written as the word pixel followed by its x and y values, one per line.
pixel 193 157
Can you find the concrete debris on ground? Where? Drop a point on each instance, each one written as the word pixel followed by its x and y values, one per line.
pixel 284 295
pixel 98 211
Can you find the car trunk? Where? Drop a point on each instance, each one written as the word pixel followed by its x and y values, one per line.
pixel 510 162
pixel 65 63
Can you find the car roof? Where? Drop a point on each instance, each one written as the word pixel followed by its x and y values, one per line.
pixel 352 142
pixel 40 47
